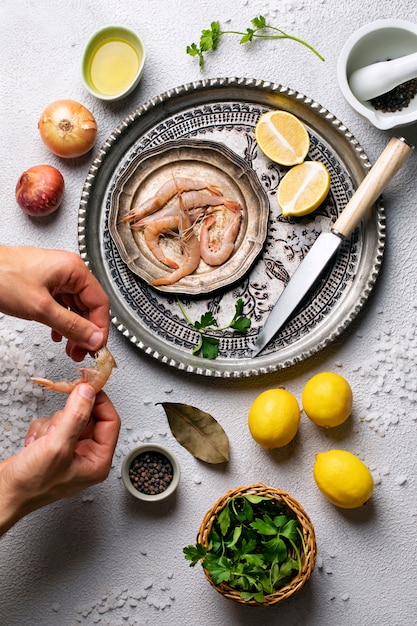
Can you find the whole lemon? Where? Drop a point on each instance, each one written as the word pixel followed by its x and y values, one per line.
pixel 343 478
pixel 274 418
pixel 327 399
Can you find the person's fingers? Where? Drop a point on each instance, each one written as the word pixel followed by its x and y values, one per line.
pixel 75 416
pixel 56 336
pixel 106 430
pixel 83 293
pixel 37 428
pixel 73 326
pixel 40 427
pixel 75 352
pixel 72 349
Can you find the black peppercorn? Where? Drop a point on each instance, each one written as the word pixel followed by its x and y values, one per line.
pixel 396 99
pixel 151 472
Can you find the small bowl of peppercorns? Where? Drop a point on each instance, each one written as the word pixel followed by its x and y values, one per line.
pixel 150 472
pixel 382 40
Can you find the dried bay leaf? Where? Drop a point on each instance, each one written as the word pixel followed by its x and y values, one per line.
pixel 198 432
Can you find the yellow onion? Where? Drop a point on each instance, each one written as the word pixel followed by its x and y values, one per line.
pixel 68 128
pixel 39 190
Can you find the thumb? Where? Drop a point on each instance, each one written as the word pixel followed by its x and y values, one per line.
pixel 73 326
pixel 76 414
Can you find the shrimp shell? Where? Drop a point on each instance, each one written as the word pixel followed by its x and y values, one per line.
pixel 96 376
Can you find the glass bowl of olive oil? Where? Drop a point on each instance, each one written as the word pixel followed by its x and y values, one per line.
pixel 112 62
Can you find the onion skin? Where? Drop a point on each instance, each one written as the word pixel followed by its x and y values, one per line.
pixel 39 190
pixel 68 128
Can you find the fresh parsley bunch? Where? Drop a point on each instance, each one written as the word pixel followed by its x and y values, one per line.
pixel 255 546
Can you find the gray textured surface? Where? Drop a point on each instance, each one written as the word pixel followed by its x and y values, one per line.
pixel 102 558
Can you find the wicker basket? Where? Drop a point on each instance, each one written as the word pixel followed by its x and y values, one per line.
pixel 307 528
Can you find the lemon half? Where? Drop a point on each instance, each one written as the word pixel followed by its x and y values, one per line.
pixel 303 189
pixel 282 137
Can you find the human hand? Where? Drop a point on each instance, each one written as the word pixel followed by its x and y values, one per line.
pixel 55 288
pixel 63 455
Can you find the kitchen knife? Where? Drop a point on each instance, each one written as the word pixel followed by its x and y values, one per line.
pixel 389 162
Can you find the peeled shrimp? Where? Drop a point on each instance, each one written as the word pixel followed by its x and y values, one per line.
pixel 96 377
pixel 174 186
pixel 218 251
pixel 190 252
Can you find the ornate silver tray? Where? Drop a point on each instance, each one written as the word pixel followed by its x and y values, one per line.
pixel 225 111
pixel 204 161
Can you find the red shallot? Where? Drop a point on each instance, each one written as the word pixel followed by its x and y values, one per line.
pixel 39 190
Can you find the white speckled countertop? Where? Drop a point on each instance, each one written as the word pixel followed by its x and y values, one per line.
pixel 103 558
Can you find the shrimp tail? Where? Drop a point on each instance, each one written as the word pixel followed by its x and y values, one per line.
pixel 62 386
pixel 159 282
pixel 173 277
pixel 233 205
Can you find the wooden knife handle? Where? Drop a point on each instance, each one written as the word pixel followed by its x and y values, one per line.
pixel 387 165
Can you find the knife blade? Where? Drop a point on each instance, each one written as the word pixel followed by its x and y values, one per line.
pixel 324 248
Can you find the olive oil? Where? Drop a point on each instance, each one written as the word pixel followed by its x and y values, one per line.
pixel 114 65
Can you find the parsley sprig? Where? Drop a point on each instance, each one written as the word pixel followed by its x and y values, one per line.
pixel 208 345
pixel 255 546
pixel 210 37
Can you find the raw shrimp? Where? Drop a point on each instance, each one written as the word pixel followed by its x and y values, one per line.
pixel 154 230
pixel 169 210
pixel 191 201
pixel 176 185
pixel 96 377
pixel 190 252
pixel 218 251
pixel 194 199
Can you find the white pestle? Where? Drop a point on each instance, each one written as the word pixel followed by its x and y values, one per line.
pixel 373 80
